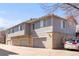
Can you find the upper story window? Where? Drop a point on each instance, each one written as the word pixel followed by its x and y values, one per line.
pixel 16 29
pixel 47 22
pixel 12 30
pixel 33 26
pixel 21 27
pixel 8 31
pixel 63 24
pixel 41 23
pixel 36 25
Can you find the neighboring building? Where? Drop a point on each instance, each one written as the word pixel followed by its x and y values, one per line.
pixel 77 31
pixel 45 32
pixel 71 26
pixel 2 37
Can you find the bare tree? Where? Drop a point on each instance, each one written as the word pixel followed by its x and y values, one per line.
pixel 69 8
pixel 50 8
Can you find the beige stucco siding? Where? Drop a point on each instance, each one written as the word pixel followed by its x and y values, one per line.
pixel 18 33
pixel 57 25
pixel 58 40
pixel 44 42
pixel 43 36
pixel 24 31
pixel 69 28
pixel 27 29
pixel 40 31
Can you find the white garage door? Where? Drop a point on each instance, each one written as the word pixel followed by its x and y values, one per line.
pixel 9 42
pixel 20 42
pixel 38 42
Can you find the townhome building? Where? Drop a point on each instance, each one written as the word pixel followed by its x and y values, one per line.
pixel 48 31
pixel 18 35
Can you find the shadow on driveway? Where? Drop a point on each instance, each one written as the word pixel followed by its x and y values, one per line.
pixel 6 53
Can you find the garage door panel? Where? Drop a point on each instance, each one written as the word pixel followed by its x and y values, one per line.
pixel 9 42
pixel 23 42
pixel 39 42
pixel 20 42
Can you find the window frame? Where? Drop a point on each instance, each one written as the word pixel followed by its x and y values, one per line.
pixel 63 24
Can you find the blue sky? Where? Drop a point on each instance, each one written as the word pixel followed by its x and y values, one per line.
pixel 12 14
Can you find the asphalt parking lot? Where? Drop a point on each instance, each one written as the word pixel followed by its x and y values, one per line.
pixel 8 50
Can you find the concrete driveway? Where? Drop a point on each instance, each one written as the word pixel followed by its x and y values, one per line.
pixel 7 50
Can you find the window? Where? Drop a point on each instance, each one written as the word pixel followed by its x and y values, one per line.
pixel 36 25
pixel 62 24
pixel 11 30
pixel 8 31
pixel 41 23
pixel 47 22
pixel 21 27
pixel 33 26
pixel 16 29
